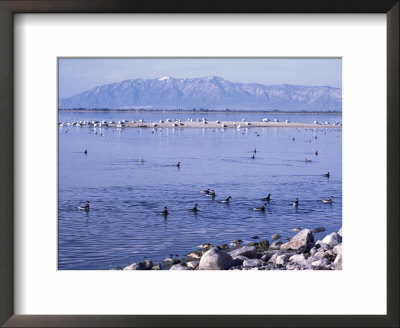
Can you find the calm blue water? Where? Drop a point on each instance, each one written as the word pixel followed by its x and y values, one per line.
pixel 122 227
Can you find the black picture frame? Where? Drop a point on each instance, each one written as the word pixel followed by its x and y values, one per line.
pixel 10 7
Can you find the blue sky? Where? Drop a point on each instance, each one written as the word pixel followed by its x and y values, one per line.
pixel 79 74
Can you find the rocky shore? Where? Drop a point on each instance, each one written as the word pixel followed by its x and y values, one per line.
pixel 299 253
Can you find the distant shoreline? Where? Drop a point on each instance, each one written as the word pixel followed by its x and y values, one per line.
pixel 199 111
pixel 204 124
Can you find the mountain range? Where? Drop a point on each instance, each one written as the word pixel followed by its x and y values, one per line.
pixel 211 92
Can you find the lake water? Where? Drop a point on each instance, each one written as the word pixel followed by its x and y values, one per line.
pixel 122 226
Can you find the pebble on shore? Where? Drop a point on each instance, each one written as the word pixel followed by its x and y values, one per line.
pixel 299 253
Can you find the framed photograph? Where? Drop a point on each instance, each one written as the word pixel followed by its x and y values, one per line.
pixel 201 165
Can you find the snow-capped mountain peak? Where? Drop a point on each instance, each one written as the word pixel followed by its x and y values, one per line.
pixel 211 92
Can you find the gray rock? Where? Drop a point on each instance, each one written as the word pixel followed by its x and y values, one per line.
pixel 281 260
pixel 274 257
pixel 330 253
pixel 320 264
pixel 298 259
pixel 193 264
pixel 338 249
pixel 276 245
pixel 301 241
pixel 251 263
pixel 318 229
pixel 170 261
pixel 321 255
pixel 270 252
pixel 248 251
pixel 292 266
pixel 276 236
pixel 156 267
pixel 238 260
pixel 195 255
pixel 313 251
pixel 338 262
pixel 255 237
pixel 332 240
pixel 320 245
pixel 135 266
pixel 340 232
pixel 215 259
pixel 148 264
pixel 178 266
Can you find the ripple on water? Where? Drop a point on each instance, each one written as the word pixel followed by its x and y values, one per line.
pixel 122 226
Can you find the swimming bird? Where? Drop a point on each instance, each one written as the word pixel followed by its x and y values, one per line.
pixel 212 194
pixel 178 165
pixel 141 160
pixel 327 175
pixel 316 153
pixel 86 207
pixel 253 157
pixel 262 208
pixel 85 152
pixel 207 191
pixel 267 199
pixel 194 209
pixel 328 201
pixel 296 203
pixel 164 212
pixel 255 151
pixel 226 200
pixel 308 160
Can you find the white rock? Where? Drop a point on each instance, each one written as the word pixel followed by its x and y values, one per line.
pixel 193 264
pixel 298 258
pixel 321 255
pixel 281 260
pixel 178 267
pixel 301 241
pixel 273 257
pixel 332 240
pixel 338 249
pixel 338 262
pixel 134 266
pixel 251 263
pixel 248 251
pixel 276 245
pixel 215 259
pixel 320 264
